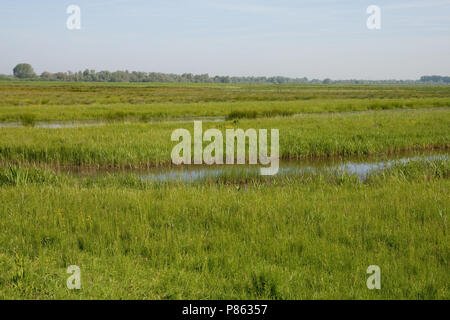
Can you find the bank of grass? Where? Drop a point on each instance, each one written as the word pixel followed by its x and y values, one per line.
pixel 235 236
pixel 55 101
pixel 140 145
pixel 228 109
pixel 33 93
pixel 308 237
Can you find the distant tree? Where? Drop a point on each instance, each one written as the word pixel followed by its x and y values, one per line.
pixel 24 71
pixel 435 79
pixel 61 76
pixel 46 75
pixel 326 81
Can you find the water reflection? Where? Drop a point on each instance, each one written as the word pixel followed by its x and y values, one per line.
pixel 95 123
pixel 287 168
pixel 360 167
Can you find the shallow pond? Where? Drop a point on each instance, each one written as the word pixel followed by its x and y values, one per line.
pixel 360 167
pixel 96 123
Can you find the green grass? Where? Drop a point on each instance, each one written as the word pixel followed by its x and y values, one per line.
pixel 235 236
pixel 122 145
pixel 28 119
pixel 308 237
pixel 61 101
pixel 172 110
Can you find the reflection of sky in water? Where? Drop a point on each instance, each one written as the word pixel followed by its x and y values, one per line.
pixel 67 125
pixel 53 125
pixel 362 169
pixel 93 123
pixel 10 125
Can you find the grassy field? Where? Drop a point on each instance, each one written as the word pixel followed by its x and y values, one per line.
pixel 306 136
pixel 306 237
pixel 117 102
pixel 311 235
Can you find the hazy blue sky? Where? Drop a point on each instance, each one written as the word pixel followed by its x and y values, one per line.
pixel 311 38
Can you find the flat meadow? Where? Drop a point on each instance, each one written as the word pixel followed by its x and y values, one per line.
pixel 308 235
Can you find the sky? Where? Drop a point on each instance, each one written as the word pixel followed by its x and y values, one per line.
pixel 310 38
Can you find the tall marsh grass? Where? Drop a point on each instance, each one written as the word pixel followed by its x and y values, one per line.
pixel 141 145
pixel 138 102
pixel 303 238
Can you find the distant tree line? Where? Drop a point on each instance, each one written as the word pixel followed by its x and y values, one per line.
pixel 435 79
pixel 135 76
pixel 25 71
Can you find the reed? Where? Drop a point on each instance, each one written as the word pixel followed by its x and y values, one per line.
pixel 300 238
